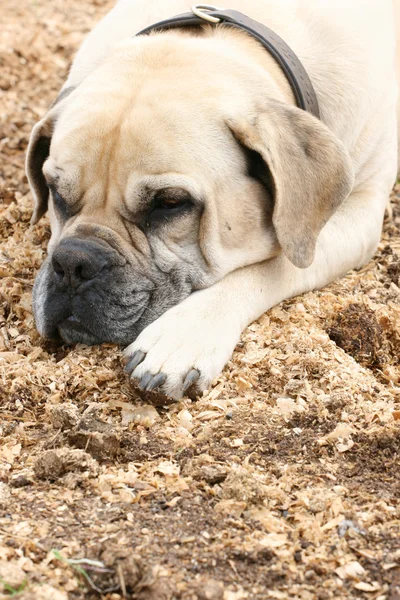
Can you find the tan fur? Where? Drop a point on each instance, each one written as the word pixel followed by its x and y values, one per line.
pixel 144 129
pixel 175 110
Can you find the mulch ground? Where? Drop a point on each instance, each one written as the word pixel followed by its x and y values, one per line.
pixel 283 481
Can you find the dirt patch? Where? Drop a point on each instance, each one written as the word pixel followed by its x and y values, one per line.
pixel 281 482
pixel 53 464
pixel 371 339
pixel 357 331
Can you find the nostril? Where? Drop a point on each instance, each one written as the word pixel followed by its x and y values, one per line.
pixel 77 261
pixel 58 268
pixel 79 273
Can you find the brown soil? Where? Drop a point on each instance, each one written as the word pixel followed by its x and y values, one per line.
pixel 281 482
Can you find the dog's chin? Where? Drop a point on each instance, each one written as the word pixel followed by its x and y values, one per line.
pixel 72 331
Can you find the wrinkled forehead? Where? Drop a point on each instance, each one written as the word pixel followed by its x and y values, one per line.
pixel 155 129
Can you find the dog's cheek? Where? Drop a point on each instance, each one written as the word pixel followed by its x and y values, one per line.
pixel 56 229
pixel 177 251
pixel 40 296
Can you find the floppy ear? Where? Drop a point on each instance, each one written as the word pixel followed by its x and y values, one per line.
pixel 311 173
pixel 38 151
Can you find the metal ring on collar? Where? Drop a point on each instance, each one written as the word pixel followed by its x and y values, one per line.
pixel 198 10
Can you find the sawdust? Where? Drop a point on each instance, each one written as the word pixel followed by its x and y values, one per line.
pixel 281 482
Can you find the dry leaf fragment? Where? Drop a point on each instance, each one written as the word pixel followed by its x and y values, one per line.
pixel 341 436
pixel 287 406
pixel 209 415
pixel 215 392
pixel 174 482
pixel 253 357
pixel 127 496
pixel 9 452
pixel 333 523
pixel 185 419
pixel 10 357
pixel 274 540
pixel 243 384
pixel 168 468
pixel 145 415
pixel 236 443
pixel 367 587
pixel 34 355
pixel 342 430
pixel 234 508
pixel 352 570
pixel 174 501
pixel 390 566
pixel 344 446
pixel 142 415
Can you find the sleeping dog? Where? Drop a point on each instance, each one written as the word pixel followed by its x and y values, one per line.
pixel 208 168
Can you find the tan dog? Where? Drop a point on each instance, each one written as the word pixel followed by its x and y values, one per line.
pixel 188 193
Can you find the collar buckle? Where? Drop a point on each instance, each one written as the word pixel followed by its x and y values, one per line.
pixel 199 11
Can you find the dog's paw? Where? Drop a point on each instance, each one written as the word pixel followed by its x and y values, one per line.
pixel 187 347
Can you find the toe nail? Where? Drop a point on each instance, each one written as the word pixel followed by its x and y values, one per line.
pixel 190 379
pixel 136 359
pixel 144 382
pixel 157 381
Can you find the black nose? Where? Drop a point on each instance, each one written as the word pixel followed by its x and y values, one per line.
pixel 77 260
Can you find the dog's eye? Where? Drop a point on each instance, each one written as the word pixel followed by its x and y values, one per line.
pixel 170 200
pixel 60 204
pixel 170 203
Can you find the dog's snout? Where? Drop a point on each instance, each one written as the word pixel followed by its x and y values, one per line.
pixel 75 261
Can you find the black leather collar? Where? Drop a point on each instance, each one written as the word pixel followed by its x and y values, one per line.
pixel 296 74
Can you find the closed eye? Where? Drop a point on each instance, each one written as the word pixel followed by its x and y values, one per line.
pixel 61 207
pixel 169 202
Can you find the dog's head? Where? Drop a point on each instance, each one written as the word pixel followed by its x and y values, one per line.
pixel 165 169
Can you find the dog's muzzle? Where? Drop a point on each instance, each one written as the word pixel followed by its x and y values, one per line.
pixel 87 292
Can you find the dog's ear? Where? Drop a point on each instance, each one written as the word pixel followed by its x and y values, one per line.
pixel 38 151
pixel 311 173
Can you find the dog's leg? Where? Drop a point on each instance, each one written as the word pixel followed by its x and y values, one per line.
pixel 196 338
